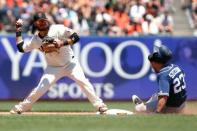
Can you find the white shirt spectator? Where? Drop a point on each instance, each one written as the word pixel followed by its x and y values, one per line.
pixel 100 17
pixel 166 20
pixel 82 28
pixel 137 12
pixel 166 23
pixel 150 27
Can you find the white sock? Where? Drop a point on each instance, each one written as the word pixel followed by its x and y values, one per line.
pixel 140 107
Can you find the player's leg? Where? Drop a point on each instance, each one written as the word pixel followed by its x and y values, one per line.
pixel 78 76
pixel 50 76
pixel 149 106
pixel 139 104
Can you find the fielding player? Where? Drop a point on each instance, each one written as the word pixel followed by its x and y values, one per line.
pixel 171 94
pixel 54 41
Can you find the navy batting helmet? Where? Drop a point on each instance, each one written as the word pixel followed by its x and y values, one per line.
pixel 162 55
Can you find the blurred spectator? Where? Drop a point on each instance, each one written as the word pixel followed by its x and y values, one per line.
pixel 121 17
pixel 150 26
pixel 137 12
pixel 134 29
pixel 114 30
pixel 166 23
pixel 81 25
pixel 153 7
pixel 168 5
pixel 186 4
pixel 190 7
pixel 194 12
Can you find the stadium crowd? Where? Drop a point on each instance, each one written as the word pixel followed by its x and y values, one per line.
pixel 93 17
pixel 194 12
pixel 194 15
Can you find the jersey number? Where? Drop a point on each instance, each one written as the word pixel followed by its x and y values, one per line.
pixel 179 83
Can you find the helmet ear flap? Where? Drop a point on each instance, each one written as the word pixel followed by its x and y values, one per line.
pixel 153 57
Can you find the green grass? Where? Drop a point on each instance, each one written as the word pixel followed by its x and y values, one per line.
pixel 170 122
pixel 65 106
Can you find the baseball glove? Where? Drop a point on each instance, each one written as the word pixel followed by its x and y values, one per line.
pixel 49 45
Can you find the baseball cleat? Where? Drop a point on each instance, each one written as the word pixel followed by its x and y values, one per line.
pixel 136 100
pixel 16 110
pixel 102 109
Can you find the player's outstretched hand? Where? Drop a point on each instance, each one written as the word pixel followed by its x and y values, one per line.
pixel 19 24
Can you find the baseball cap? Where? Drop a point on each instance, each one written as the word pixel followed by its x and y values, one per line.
pixel 39 15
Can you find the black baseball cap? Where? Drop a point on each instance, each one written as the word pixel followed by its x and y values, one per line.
pixel 40 21
pixel 39 15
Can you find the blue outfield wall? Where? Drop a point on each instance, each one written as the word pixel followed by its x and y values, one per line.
pixel 117 67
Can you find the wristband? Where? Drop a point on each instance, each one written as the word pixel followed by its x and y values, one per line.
pixel 20 46
pixel 66 43
pixel 18 34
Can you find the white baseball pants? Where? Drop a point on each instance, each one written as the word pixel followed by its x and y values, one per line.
pixel 52 74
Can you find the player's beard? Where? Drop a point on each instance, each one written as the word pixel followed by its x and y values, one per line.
pixel 43 33
pixel 42 25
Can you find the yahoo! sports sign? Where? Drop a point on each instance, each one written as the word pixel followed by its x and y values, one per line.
pixel 117 67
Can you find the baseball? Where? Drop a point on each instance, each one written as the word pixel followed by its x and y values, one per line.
pixel 20 21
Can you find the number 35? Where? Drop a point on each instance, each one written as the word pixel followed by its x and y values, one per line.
pixel 179 83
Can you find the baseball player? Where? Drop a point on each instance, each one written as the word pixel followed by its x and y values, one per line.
pixel 54 41
pixel 171 95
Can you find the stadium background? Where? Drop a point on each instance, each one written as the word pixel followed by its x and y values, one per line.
pixel 116 37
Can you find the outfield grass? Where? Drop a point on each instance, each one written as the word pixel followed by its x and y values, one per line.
pixel 168 122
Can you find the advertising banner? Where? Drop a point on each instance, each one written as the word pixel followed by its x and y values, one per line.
pixel 117 67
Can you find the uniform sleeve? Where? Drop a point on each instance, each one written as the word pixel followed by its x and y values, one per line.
pixel 34 43
pixel 164 87
pixel 67 32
